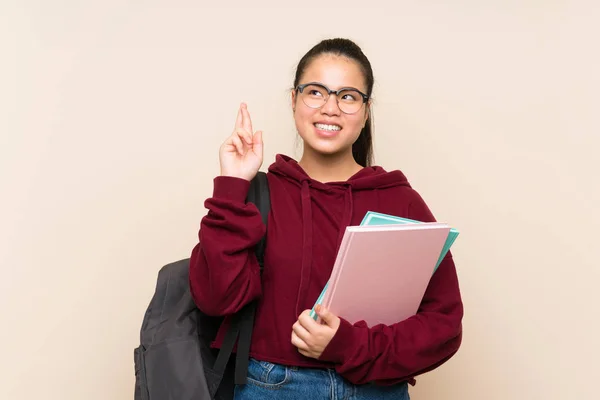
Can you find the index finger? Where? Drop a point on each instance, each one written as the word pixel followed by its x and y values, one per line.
pixel 239 120
pixel 247 122
pixel 307 322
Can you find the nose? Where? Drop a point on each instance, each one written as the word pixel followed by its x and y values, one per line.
pixel 331 106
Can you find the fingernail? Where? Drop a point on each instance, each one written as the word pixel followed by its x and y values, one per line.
pixel 318 308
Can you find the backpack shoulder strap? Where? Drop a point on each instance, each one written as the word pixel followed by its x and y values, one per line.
pixel 259 195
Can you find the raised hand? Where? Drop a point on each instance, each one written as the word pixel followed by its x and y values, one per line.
pixel 241 155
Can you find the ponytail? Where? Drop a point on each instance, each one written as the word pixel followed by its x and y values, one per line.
pixel 362 149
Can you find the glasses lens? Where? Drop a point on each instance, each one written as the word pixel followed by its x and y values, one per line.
pixel 350 101
pixel 314 96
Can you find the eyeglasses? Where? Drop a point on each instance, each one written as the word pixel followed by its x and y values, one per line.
pixel 315 95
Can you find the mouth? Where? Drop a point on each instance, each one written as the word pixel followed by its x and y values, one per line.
pixel 328 128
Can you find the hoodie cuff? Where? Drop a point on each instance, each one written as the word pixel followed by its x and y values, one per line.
pixel 231 188
pixel 343 340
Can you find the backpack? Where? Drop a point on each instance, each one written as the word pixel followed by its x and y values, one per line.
pixel 174 360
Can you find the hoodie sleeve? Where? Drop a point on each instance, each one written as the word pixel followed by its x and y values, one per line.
pixel 391 354
pixel 224 271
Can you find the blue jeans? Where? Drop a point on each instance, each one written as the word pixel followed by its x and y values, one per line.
pixel 273 381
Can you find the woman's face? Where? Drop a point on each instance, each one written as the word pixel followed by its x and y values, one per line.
pixel 328 130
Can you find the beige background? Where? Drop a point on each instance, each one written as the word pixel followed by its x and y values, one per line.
pixel 111 114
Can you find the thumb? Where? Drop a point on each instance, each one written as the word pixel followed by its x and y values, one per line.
pixel 257 144
pixel 325 314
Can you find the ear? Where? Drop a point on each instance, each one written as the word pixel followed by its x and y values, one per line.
pixel 367 112
pixel 293 100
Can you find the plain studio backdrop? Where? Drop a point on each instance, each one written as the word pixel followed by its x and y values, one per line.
pixel 112 112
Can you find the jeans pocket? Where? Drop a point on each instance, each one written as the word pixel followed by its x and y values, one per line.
pixel 267 375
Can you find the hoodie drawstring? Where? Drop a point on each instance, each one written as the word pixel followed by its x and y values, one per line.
pixel 347 217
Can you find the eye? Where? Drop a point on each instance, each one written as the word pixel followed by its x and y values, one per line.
pixel 315 92
pixel 349 96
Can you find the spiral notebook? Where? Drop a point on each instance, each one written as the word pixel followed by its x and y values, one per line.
pixel 382 271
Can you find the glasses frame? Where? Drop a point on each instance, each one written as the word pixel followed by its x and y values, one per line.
pixel 300 88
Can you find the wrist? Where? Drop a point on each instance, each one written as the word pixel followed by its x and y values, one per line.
pixel 230 175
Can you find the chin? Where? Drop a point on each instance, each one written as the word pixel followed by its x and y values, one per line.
pixel 326 149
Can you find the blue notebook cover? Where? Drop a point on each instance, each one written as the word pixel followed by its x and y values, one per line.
pixel 375 218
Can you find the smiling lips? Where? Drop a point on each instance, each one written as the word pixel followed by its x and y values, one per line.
pixel 328 129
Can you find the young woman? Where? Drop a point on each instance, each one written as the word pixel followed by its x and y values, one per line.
pixel 313 200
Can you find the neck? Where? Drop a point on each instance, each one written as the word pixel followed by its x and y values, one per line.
pixel 329 167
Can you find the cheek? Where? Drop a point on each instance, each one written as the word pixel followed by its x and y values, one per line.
pixel 355 124
pixel 303 116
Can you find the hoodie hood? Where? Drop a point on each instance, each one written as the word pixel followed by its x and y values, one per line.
pixel 368 178
pixel 331 195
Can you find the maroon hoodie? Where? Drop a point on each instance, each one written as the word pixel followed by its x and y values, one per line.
pixel 305 226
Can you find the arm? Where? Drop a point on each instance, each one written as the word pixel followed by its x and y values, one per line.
pixel 399 352
pixel 224 271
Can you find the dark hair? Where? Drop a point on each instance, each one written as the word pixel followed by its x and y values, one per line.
pixel 362 149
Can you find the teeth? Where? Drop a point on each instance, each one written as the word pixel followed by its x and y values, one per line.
pixel 328 127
